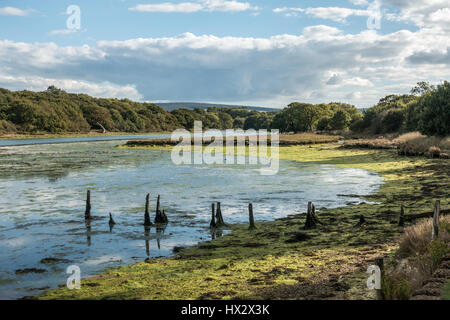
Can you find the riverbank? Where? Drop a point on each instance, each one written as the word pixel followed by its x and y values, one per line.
pixel 280 260
pixel 17 136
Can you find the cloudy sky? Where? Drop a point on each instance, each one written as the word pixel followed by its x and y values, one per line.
pixel 252 52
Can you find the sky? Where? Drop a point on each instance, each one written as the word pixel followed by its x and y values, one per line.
pixel 251 52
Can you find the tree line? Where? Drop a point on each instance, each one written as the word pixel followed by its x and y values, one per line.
pixel 425 109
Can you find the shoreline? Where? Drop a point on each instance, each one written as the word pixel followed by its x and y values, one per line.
pixel 74 135
pixel 279 258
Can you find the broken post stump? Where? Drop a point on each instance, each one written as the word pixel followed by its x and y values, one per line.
pixel 87 213
pixel 219 217
pixel 111 220
pixel 251 217
pixel 362 221
pixel 311 219
pixel 160 217
pixel 147 221
pixel 401 220
pixel 158 204
pixel 437 209
pixel 213 217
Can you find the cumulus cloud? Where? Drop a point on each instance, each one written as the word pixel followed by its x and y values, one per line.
pixel 321 64
pixel 423 13
pixel 201 5
pixel 11 11
pixel 102 90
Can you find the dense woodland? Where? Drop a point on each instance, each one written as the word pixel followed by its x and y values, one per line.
pixel 425 109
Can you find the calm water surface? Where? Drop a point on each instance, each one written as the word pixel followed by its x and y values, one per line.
pixel 42 201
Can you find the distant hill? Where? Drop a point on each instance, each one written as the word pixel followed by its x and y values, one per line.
pixel 170 106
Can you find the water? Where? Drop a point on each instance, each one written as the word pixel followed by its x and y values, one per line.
pixel 43 189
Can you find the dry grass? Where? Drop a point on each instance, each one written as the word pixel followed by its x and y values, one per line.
pixel 416 239
pixel 418 257
pixel 416 144
pixel 409 144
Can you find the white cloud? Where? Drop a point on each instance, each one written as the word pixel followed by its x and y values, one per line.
pixel 63 31
pixel 322 64
pixel 201 5
pixel 423 13
pixel 331 13
pixel 101 90
pixel 11 11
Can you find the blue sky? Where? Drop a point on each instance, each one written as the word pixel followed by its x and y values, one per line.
pixel 255 52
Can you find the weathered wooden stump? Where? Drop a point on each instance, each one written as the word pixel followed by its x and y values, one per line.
pixel 219 217
pixel 251 218
pixel 362 221
pixel 160 217
pixel 437 209
pixel 87 213
pixel 311 218
pixel 111 220
pixel 213 217
pixel 401 220
pixel 147 221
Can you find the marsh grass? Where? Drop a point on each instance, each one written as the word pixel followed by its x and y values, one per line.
pixel 418 257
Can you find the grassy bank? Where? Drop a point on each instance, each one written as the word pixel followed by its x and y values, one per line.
pixel 280 260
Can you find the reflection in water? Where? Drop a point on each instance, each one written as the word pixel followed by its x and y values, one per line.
pixel 88 231
pixel 160 233
pixel 147 240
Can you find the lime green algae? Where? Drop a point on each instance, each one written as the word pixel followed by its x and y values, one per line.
pixel 280 260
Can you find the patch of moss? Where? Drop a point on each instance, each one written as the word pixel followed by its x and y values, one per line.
pixel 273 261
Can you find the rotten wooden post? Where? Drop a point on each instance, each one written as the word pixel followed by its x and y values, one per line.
pixel 380 263
pixel 160 217
pixel 401 220
pixel 251 217
pixel 158 204
pixel 219 217
pixel 437 210
pixel 311 219
pixel 87 213
pixel 147 221
pixel 212 225
pixel 111 220
pixel 362 221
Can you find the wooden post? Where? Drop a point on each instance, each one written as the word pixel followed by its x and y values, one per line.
pixel 311 219
pixel 219 217
pixel 158 204
pixel 401 220
pixel 251 217
pixel 380 263
pixel 213 217
pixel 87 213
pixel 160 217
pixel 147 221
pixel 437 210
pixel 111 220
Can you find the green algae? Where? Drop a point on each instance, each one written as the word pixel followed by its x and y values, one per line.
pixel 280 260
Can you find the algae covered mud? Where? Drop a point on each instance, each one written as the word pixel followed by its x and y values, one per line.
pixel 42 229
